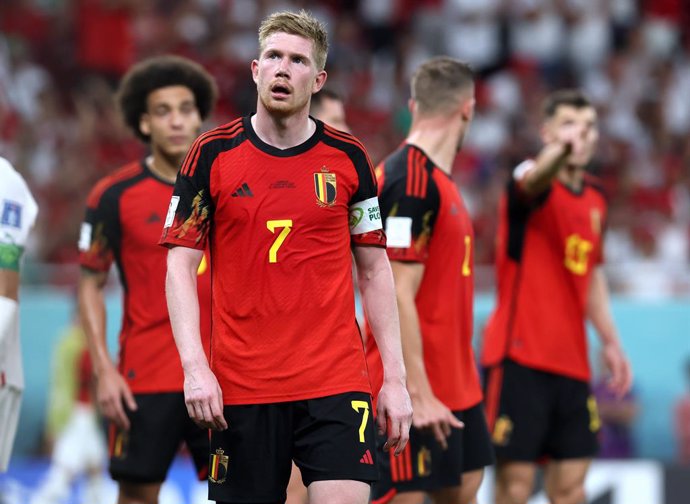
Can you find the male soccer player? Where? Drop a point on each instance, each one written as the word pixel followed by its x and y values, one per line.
pixel 430 243
pixel 549 256
pixel 328 106
pixel 164 101
pixel 18 212
pixel 281 198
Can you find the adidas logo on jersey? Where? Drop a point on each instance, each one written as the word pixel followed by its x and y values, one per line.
pixel 366 458
pixel 242 192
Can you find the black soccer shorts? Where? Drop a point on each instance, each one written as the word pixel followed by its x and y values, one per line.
pixel 537 414
pixel 329 438
pixel 425 466
pixel 157 428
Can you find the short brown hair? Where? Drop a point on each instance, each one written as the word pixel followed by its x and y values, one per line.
pixel 302 24
pixel 439 81
pixel 159 72
pixel 568 97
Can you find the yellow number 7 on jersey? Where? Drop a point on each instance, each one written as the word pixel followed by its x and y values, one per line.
pixel 286 224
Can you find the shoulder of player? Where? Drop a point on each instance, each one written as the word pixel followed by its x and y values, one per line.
pixel 595 184
pixel 213 142
pixel 115 182
pixel 11 176
pixel 346 143
pixel 409 171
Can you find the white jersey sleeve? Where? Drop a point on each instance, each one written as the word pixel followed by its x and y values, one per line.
pixel 18 211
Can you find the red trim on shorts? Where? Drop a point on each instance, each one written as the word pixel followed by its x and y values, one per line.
pixel 493 395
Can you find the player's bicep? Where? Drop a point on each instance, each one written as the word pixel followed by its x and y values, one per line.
pixel 408 277
pixel 184 259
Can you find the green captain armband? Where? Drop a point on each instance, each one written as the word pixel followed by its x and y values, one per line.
pixel 9 256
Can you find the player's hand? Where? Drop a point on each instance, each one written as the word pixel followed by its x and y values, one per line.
pixel 619 367
pixel 394 415
pixel 432 414
pixel 204 398
pixel 112 395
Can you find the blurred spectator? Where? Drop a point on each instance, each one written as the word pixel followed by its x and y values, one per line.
pixel 59 127
pixel 682 426
pixel 617 415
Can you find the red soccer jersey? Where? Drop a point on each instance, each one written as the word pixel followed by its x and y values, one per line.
pixel 547 248
pixel 124 216
pixel 426 221
pixel 280 225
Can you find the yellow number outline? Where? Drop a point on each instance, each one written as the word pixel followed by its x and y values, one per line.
pixel 272 225
pixel 361 406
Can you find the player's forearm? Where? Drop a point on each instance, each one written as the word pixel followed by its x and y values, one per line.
pixel 183 307
pixel 9 284
pixel 412 346
pixel 378 297
pixel 546 166
pixel 599 309
pixel 93 318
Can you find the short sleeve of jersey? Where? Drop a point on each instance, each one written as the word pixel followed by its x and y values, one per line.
pixel 411 219
pixel 98 236
pixel 188 220
pixel 366 228
pixel 18 211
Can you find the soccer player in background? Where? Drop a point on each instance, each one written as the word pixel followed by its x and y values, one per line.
pixel 430 244
pixel 164 101
pixel 328 106
pixel 550 280
pixel 281 198
pixel 18 211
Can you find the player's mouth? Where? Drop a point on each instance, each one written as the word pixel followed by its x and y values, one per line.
pixel 178 139
pixel 280 91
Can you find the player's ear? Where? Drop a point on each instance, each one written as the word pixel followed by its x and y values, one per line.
pixel 467 109
pixel 411 105
pixel 319 81
pixel 145 124
pixel 255 71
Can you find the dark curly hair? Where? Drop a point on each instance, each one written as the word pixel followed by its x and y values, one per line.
pixel 158 72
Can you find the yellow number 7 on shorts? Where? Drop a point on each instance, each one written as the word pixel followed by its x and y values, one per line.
pixel 361 406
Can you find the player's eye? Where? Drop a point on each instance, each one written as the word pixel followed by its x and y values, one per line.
pixel 161 111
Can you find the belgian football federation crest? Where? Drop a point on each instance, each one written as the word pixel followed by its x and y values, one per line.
pixel 502 430
pixel 424 462
pixel 325 188
pixel 218 466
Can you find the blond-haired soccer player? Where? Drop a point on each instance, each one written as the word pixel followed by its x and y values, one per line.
pixel 281 198
pixel 18 212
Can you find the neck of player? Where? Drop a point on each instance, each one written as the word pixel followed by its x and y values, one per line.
pixel 439 137
pixel 162 165
pixel 283 132
pixel 572 176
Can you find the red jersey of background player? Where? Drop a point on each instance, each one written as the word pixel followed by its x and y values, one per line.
pixel 280 224
pixel 426 221
pixel 547 248
pixel 124 215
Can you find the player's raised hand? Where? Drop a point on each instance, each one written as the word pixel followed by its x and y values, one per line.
pixel 113 395
pixel 619 367
pixel 204 398
pixel 430 413
pixel 394 415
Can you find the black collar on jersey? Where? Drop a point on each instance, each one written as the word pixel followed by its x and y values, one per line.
pixel 275 151
pixel 148 171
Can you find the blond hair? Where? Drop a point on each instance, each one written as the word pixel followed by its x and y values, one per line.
pixel 302 24
pixel 438 83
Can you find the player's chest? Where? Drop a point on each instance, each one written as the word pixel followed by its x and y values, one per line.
pixel 567 214
pixel 312 191
pixel 142 212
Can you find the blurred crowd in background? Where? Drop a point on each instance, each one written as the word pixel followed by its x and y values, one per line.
pixel 60 61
